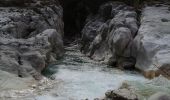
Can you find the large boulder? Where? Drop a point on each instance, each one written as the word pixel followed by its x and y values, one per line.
pixel 153 41
pixel 30 36
pixel 108 35
pixel 30 55
pixel 29 21
pixel 125 92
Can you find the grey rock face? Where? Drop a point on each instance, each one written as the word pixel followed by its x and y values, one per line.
pixel 153 41
pixel 108 36
pixel 111 36
pixel 30 37
pixel 27 22
pixel 32 54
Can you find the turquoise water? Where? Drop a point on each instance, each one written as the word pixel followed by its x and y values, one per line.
pixel 81 78
pixel 76 77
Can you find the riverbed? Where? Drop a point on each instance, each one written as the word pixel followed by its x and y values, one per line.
pixel 82 78
pixel 77 77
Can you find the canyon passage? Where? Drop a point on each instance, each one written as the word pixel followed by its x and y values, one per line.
pixel 84 50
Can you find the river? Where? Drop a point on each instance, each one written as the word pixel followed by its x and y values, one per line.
pixel 80 77
pixel 77 77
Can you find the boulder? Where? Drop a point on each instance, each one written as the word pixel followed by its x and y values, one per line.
pixel 32 54
pixel 27 22
pixel 120 94
pixel 30 36
pixel 108 35
pixel 152 41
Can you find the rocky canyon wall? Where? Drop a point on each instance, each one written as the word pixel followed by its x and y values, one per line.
pixel 31 35
pixel 108 36
pixel 121 36
pixel 153 40
pixel 113 32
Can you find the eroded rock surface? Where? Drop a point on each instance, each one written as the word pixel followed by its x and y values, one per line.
pixel 113 36
pixel 153 41
pixel 108 35
pixel 30 35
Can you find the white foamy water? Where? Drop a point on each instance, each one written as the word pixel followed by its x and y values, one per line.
pixel 82 78
pixel 76 77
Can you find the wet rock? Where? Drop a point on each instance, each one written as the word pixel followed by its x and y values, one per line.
pixel 148 88
pixel 108 36
pixel 160 81
pixel 120 94
pixel 52 77
pixel 123 93
pixel 160 96
pixel 152 41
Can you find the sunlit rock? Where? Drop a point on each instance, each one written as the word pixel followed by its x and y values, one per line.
pixel 153 41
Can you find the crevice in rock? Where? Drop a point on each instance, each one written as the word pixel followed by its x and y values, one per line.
pixel 20 64
pixel 75 14
pixel 138 11
pixel 121 29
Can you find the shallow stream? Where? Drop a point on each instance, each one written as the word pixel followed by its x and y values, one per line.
pixel 80 78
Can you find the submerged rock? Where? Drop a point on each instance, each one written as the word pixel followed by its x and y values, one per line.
pixel 155 89
pixel 160 96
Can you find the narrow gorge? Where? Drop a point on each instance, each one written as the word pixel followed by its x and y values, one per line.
pixel 84 50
